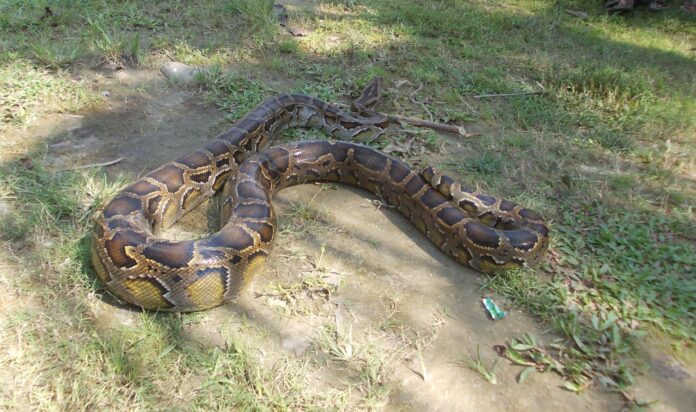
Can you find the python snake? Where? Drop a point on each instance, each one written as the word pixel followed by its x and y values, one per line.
pixel 145 270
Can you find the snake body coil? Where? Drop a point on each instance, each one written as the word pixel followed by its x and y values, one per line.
pixel 154 273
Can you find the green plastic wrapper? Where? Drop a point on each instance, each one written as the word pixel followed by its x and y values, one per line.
pixel 493 309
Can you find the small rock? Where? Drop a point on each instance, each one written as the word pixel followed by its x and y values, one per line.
pixel 106 93
pixel 181 73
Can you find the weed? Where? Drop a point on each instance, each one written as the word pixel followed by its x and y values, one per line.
pixel 487 164
pixel 288 46
pixel 195 56
pixel 477 363
pixel 258 16
pixel 63 202
pixel 299 298
pixel 615 259
pixel 538 112
pixel 373 371
pixel 612 139
pixel 302 219
pixel 281 65
pixel 489 80
pixel 614 86
pixel 138 18
pixel 371 363
pixel 114 46
pixel 55 55
pixel 234 94
pixel 622 182
pixel 339 347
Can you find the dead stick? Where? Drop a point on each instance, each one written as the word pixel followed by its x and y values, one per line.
pixel 102 164
pixel 414 121
pixel 483 96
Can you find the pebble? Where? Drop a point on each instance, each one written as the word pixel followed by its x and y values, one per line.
pixel 181 73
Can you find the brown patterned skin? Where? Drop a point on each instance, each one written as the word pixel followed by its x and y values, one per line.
pixel 154 273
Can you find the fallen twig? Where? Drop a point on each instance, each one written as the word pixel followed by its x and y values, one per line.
pixel 415 121
pixel 485 96
pixel 101 164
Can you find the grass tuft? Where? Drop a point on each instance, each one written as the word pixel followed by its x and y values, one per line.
pixel 55 55
pixel 478 364
pixel 234 94
pixel 258 17
pixel 114 46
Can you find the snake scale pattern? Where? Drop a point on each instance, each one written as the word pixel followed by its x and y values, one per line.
pixel 151 272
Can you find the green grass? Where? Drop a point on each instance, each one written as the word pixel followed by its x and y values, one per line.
pixel 145 365
pixel 27 90
pixel 624 274
pixel 605 151
pixel 113 45
pixel 478 364
pixel 645 264
pixel 55 55
pixel 258 17
pixel 233 93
